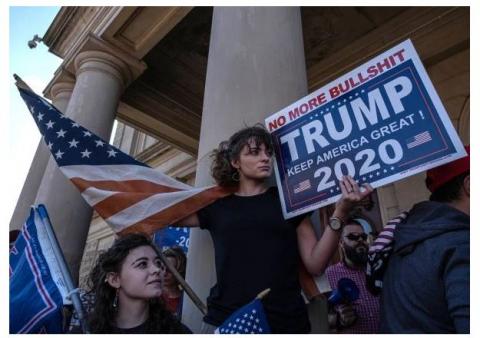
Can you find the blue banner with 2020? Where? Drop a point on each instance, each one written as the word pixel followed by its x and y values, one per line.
pixel 379 123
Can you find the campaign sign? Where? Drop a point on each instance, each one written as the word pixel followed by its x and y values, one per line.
pixel 173 236
pixel 379 123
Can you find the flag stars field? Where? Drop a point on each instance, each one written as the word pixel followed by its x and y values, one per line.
pixel 73 143
pixel 50 124
pixel 59 154
pixel 61 133
pixel 111 153
pixel 86 153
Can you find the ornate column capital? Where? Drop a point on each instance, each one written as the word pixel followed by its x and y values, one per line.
pixel 95 54
pixel 99 61
pixel 61 90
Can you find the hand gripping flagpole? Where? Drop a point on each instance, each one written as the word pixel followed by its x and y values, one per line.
pixel 73 292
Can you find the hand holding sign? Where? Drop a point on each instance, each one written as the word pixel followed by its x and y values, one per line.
pixel 351 194
pixel 380 122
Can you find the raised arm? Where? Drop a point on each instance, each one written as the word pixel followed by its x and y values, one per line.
pixel 190 221
pixel 317 254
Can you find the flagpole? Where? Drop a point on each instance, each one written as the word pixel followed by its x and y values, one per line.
pixel 74 296
pixel 20 83
pixel 196 300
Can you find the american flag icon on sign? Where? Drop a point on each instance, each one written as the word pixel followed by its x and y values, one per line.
pixel 418 139
pixel 302 186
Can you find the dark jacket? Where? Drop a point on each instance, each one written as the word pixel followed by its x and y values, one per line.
pixel 426 287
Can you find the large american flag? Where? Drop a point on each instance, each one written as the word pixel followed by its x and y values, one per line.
pixel 128 194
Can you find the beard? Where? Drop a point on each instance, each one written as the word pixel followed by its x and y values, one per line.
pixel 358 255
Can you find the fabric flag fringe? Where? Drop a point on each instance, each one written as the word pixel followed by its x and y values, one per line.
pixel 379 254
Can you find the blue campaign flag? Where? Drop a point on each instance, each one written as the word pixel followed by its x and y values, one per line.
pixel 250 318
pixel 37 288
pixel 173 236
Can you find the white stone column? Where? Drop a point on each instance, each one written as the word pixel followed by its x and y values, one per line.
pixel 60 94
pixel 256 66
pixel 100 80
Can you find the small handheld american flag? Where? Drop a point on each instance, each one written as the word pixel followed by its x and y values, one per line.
pixel 250 319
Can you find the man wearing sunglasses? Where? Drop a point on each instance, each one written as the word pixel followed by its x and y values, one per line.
pixel 361 316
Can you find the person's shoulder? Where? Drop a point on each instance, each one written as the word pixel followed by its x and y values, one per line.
pixel 273 190
pixel 216 205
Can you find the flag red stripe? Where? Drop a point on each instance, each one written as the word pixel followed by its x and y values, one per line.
pixel 178 211
pixel 123 186
pixel 117 202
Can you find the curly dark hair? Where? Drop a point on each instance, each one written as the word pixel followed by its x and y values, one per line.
pixel 227 151
pixel 102 317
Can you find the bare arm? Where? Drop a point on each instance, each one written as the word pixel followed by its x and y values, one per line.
pixel 316 254
pixel 190 221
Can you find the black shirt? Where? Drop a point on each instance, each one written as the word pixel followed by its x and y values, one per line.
pixel 178 328
pixel 255 249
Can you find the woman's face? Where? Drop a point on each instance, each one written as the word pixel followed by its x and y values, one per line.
pixel 168 278
pixel 140 276
pixel 254 162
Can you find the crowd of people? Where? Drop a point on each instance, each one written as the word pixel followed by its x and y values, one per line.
pixel 425 278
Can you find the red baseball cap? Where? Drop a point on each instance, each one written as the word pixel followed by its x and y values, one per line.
pixel 438 176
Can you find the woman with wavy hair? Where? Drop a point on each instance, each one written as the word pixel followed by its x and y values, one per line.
pixel 127 284
pixel 255 247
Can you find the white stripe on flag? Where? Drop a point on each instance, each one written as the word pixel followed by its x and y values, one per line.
pixel 148 207
pixel 94 195
pixel 121 172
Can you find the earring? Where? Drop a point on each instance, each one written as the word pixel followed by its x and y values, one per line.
pixel 236 176
pixel 115 300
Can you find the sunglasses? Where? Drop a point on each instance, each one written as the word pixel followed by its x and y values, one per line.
pixel 356 237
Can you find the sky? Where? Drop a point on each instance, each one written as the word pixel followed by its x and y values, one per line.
pixel 36 67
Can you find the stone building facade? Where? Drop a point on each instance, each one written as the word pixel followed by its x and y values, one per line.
pixel 191 76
